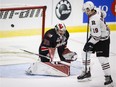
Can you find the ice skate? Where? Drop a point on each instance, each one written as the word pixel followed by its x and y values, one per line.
pixel 108 81
pixel 85 76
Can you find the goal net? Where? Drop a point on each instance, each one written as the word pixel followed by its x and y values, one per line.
pixel 22 18
pixel 23 21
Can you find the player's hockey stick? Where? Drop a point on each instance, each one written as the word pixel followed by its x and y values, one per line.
pixel 87 43
pixel 63 62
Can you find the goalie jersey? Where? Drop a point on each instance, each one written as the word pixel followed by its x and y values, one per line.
pixel 98 28
pixel 53 40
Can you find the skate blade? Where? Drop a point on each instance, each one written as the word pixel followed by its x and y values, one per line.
pixel 84 80
pixel 110 85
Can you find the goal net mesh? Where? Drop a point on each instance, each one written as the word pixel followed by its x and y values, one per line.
pixel 20 18
pixel 23 21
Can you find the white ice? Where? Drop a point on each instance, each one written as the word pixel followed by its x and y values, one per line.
pixel 13 59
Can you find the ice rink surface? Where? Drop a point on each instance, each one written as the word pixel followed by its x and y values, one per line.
pixel 14 62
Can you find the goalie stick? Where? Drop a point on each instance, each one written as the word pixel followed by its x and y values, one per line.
pixel 34 53
pixel 63 62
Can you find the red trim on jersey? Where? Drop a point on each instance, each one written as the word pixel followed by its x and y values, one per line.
pixel 44 48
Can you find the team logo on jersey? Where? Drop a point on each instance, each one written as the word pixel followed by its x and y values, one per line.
pixel 63 9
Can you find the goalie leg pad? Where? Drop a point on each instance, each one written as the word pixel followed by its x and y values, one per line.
pixel 47 68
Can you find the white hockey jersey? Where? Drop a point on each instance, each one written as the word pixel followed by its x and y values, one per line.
pixel 98 28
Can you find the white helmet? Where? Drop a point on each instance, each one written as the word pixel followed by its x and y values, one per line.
pixel 88 5
pixel 60 26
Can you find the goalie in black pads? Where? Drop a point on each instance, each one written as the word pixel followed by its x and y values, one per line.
pixel 56 39
pixel 98 41
pixel 54 42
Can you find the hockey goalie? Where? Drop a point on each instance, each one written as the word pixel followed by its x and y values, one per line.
pixel 55 57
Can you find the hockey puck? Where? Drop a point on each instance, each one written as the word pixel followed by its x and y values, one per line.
pixel 12 25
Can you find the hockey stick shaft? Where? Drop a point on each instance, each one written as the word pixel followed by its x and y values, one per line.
pixel 44 56
pixel 29 52
pixel 63 62
pixel 34 53
pixel 87 43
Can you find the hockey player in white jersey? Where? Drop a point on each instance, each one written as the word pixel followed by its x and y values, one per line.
pixel 98 41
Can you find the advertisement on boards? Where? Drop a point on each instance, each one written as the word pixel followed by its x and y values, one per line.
pixel 66 11
pixel 108 5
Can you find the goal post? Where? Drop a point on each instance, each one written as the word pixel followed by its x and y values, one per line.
pixel 9 12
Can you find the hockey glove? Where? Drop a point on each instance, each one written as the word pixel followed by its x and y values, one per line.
pixel 69 55
pixel 88 47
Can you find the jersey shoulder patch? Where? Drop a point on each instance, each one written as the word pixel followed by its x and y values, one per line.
pixel 49 35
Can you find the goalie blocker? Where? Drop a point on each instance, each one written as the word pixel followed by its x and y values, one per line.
pixel 54 68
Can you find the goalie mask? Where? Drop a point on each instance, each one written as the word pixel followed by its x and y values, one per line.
pixel 69 55
pixel 60 28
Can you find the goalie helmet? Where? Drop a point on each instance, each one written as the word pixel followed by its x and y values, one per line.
pixel 60 26
pixel 88 5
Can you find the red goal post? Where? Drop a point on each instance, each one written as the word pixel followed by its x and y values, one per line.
pixel 29 7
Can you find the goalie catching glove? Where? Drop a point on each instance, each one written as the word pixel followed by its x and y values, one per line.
pixel 69 55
